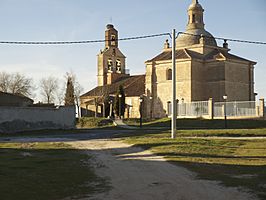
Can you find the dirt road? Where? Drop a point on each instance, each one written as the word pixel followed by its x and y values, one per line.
pixel 135 174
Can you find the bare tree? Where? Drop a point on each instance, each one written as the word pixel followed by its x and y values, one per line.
pixel 20 84
pixel 16 83
pixel 48 87
pixel 5 79
pixel 60 94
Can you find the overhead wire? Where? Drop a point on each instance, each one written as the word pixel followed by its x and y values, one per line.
pixel 224 39
pixel 80 42
pixel 124 39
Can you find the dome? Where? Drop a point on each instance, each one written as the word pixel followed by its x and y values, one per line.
pixel 194 6
pixel 109 26
pixel 189 38
pixel 195 28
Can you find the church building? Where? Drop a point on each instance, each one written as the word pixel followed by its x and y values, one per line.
pixel 204 70
pixel 112 73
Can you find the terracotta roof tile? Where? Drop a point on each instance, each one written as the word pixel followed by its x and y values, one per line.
pixel 133 86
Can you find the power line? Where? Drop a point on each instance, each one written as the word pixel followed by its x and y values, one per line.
pixel 123 39
pixel 224 39
pixel 82 41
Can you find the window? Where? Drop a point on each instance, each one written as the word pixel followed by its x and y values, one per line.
pixel 118 65
pixel 169 74
pixel 110 64
pixel 113 40
pixel 193 18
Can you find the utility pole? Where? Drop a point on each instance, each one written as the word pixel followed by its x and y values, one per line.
pixel 174 114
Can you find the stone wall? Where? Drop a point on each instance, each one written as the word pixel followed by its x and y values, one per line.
pixel 239 81
pixel 134 104
pixel 14 119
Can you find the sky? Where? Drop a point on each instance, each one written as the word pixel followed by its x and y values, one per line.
pixel 75 20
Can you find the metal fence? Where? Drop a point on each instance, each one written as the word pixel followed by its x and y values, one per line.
pixel 220 109
pixel 192 109
pixel 235 109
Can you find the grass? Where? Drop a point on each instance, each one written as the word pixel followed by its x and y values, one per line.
pixel 236 163
pixel 200 123
pixel 223 133
pixel 46 171
pixel 92 122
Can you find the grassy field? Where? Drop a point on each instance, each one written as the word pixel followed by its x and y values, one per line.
pixel 199 123
pixel 46 171
pixel 56 171
pixel 236 163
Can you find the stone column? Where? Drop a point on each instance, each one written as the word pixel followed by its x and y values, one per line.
pixel 211 108
pixel 262 108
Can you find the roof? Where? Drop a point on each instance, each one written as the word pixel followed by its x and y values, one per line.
pixel 18 96
pixel 188 54
pixel 225 54
pixel 180 54
pixel 8 99
pixel 133 86
pixel 192 37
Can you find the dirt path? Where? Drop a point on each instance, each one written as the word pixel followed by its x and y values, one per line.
pixel 139 175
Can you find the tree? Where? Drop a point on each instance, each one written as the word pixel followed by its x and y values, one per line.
pixel 5 80
pixel 60 94
pixel 69 96
pixel 16 83
pixel 48 87
pixel 77 89
pixel 120 105
pixel 77 92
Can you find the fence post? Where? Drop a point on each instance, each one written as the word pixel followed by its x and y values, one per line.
pixel 257 110
pixel 262 108
pixel 211 107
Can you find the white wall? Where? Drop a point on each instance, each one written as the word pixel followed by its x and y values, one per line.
pixel 30 118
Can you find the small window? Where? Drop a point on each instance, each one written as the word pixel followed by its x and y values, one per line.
pixel 193 18
pixel 114 52
pixel 169 74
pixel 113 40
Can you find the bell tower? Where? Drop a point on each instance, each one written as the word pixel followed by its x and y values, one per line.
pixel 111 61
pixel 111 36
pixel 195 14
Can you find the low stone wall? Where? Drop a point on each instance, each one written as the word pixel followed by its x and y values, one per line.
pixel 14 119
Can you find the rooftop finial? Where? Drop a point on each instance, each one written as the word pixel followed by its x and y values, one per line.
pixel 195 1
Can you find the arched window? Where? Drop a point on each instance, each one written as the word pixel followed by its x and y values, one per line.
pixel 169 74
pixel 113 40
pixel 110 64
pixel 193 18
pixel 118 65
